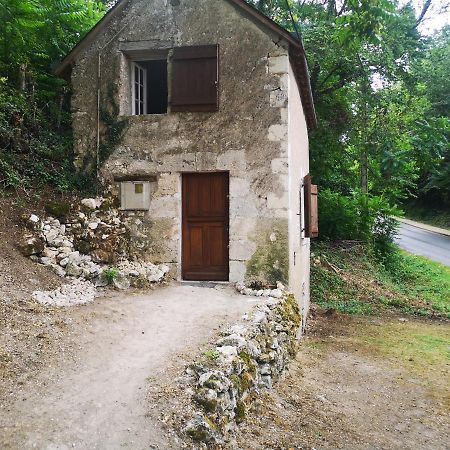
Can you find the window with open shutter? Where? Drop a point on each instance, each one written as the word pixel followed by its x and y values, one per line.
pixel 195 78
pixel 311 208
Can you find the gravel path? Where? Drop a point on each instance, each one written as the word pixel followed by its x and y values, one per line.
pixel 98 400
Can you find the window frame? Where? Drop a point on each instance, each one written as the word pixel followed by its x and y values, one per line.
pixel 143 73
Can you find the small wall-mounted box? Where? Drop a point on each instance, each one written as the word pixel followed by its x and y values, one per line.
pixel 135 195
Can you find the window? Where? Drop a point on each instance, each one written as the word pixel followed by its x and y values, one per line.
pixel 149 87
pixel 194 83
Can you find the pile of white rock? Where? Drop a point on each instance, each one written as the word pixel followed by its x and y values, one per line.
pixel 76 292
pixel 275 293
pixel 151 272
pixel 59 252
pixel 90 244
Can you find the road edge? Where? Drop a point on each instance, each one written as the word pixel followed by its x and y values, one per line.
pixel 423 226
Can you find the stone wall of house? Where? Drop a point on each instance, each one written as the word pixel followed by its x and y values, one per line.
pixel 298 162
pixel 248 136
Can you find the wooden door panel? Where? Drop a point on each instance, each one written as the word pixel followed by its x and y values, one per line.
pixel 196 244
pixel 216 247
pixel 205 226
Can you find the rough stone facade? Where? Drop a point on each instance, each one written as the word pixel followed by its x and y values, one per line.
pixel 251 136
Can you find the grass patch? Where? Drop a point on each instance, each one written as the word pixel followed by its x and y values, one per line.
pixel 211 354
pixel 350 280
pixel 418 346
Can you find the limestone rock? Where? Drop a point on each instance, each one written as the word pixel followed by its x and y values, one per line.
pixel 33 222
pixel 121 282
pixel 227 354
pixel 51 235
pixel 232 340
pixel 201 430
pixel 46 261
pixel 91 203
pixel 72 270
pixel 207 398
pixel 101 280
pixel 32 246
pixel 214 379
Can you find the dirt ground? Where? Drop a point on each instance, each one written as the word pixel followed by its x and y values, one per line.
pixel 30 334
pixel 362 382
pixel 124 344
pixel 359 383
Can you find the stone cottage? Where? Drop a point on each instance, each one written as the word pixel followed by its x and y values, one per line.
pixel 195 114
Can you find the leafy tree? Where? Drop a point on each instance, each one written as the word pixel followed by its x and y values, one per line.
pixel 380 121
pixel 35 138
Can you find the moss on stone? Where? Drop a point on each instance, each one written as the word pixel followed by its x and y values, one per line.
pixel 240 411
pixel 248 360
pixel 270 262
pixel 242 382
pixel 60 210
pixel 290 311
pixel 246 381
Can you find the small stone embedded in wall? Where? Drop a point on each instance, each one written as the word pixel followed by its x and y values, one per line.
pixel 278 98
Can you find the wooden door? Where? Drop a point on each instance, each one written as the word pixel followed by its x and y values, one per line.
pixel 205 226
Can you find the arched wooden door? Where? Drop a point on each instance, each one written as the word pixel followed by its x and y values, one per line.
pixel 205 226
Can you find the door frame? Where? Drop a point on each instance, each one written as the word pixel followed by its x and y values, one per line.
pixel 184 222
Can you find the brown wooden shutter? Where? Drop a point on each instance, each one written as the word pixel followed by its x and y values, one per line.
pixel 311 208
pixel 195 78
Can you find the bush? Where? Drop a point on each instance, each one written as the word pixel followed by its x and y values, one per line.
pixel 34 151
pixel 358 217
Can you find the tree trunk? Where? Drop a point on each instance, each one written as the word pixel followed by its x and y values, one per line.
pixel 60 108
pixel 22 77
pixel 364 164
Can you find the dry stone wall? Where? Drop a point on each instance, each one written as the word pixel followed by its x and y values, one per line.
pixel 248 357
pixel 90 245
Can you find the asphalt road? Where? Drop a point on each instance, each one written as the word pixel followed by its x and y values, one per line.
pixel 425 243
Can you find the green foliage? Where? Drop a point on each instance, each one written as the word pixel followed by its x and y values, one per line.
pixel 35 133
pixel 358 217
pixel 381 97
pixel 416 276
pixel 60 210
pixel 111 273
pixel 352 280
pixel 211 354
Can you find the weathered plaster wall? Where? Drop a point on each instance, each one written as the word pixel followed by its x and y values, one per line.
pixel 299 246
pixel 248 136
